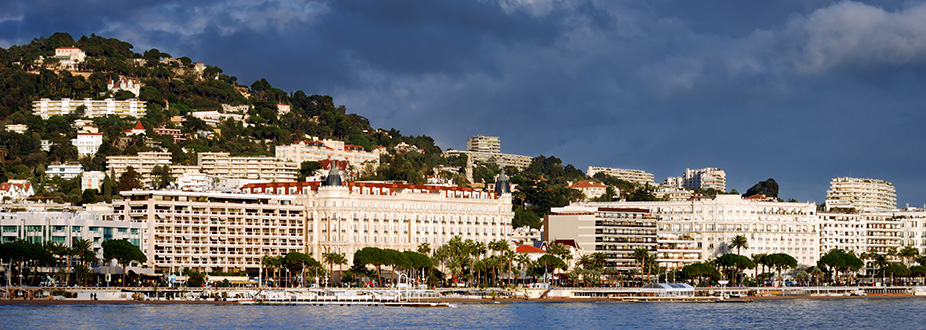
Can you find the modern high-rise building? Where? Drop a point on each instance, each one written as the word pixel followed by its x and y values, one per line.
pixel 859 194
pixel 254 168
pixel 491 144
pixel 636 176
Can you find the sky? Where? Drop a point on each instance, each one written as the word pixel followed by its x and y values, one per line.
pixel 799 91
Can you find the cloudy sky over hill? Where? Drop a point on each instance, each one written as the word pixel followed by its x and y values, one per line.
pixel 801 91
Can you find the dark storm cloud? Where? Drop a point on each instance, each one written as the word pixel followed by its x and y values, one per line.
pixel 801 91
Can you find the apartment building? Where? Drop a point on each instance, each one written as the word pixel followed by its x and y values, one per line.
pixel 636 176
pixel 591 189
pixel 132 85
pixel 220 164
pixel 845 231
pixel 92 180
pixel 500 159
pixel 346 217
pixel 480 143
pixel 143 163
pixel 769 227
pixel 220 232
pixel 316 150
pixel 860 194
pixel 46 108
pixel 66 227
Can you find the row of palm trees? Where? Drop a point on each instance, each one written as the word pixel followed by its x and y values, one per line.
pixel 22 254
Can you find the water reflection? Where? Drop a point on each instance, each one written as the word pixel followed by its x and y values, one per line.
pixel 852 313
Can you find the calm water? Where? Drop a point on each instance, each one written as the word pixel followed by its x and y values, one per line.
pixel 791 314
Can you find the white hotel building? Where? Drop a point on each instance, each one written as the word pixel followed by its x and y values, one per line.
pixel 769 227
pixel 349 217
pixel 46 108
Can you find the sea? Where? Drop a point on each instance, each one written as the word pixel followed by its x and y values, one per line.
pixel 870 313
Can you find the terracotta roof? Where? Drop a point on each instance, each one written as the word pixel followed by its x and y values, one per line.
pixel 588 184
pixel 528 249
pixel 138 125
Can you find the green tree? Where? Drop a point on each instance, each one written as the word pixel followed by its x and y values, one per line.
pixel 767 188
pixel 124 252
pixel 781 261
pixel 161 176
pixel 129 180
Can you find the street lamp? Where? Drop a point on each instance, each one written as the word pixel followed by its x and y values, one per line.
pixel 723 284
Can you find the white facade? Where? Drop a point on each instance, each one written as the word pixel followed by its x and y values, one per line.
pixel 500 159
pixel 636 176
pixel 46 108
pixel 125 84
pixel 480 143
pixel 143 164
pixel 220 164
pixel 319 150
pixel 87 144
pixel 213 231
pixel 67 227
pixel 65 171
pixel 283 109
pixel 345 219
pixel 213 118
pixel 92 180
pixel 69 57
pixel 15 190
pixel 769 227
pixel 705 178
pixel 591 189
pixel 860 194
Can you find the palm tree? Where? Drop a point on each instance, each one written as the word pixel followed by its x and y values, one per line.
pixel 331 259
pixel 83 249
pixel 641 255
pixel 908 253
pixel 523 260
pixel 739 242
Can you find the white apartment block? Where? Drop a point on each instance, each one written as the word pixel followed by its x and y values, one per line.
pixel 480 143
pixel 92 180
pixel 87 144
pixel 220 164
pixel 319 150
pixel 67 227
pixel 214 231
pixel 500 159
pixel 705 178
pixel 769 227
pixel 845 231
pixel 860 194
pixel 64 171
pixel 143 164
pixel 614 231
pixel 636 176
pixel 349 217
pixel 46 108
pixel 125 84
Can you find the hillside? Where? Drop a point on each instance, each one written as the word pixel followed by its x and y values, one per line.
pixel 174 88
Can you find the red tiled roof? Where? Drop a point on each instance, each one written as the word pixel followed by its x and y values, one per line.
pixel 528 249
